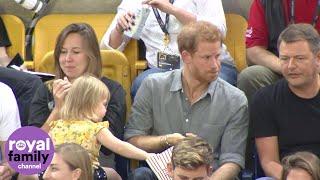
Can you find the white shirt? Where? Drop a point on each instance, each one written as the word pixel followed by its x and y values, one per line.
pixel 152 35
pixel 9 112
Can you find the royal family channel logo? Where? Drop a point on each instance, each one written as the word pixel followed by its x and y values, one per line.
pixel 29 150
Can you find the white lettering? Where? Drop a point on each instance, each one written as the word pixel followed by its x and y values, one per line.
pixel 30 145
pixel 40 145
pixel 48 144
pixel 21 145
pixel 11 143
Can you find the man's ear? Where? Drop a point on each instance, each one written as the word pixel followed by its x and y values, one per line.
pixel 186 57
pixel 76 174
pixel 170 169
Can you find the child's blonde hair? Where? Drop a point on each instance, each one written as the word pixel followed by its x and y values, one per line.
pixel 83 98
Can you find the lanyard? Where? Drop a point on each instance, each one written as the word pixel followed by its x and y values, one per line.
pixel 164 26
pixel 315 14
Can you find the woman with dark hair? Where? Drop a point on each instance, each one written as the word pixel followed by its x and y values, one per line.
pixel 76 53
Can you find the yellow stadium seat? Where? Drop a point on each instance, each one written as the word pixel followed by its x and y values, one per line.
pixel 47 63
pixel 114 66
pixel 16 30
pixel 48 28
pixel 235 40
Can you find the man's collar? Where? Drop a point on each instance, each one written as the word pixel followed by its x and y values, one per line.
pixel 176 84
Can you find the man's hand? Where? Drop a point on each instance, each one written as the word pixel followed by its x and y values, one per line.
pixel 163 5
pixel 174 138
pixel 5 172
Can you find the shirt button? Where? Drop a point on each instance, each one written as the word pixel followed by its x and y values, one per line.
pixel 187 120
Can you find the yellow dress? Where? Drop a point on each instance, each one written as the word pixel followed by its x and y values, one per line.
pixel 82 132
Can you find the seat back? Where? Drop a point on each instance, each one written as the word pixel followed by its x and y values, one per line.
pixel 114 66
pixel 235 39
pixel 16 30
pixel 48 28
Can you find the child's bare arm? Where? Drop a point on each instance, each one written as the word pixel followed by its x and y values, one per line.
pixel 107 139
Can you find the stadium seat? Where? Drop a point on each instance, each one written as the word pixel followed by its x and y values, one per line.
pixel 16 30
pixel 116 66
pixel 235 39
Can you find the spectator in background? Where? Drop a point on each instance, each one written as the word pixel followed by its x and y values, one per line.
pixel 192 101
pixel 191 158
pixel 76 53
pixel 9 122
pixel 179 13
pixel 286 114
pixel 266 20
pixel 301 166
pixel 70 161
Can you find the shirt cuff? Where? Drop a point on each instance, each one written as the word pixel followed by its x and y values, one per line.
pixel 232 157
pixel 129 133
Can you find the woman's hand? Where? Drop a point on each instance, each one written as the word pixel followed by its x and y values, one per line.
pixel 60 89
pixel 125 22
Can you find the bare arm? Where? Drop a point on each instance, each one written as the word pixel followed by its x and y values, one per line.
pixel 258 55
pixel 183 16
pixel 126 20
pixel 226 171
pixel 155 143
pixel 116 37
pixel 54 115
pixel 107 139
pixel 165 6
pixel 268 151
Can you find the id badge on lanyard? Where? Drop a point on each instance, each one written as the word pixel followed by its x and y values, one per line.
pixel 166 59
